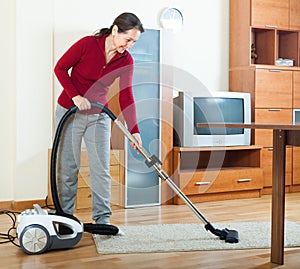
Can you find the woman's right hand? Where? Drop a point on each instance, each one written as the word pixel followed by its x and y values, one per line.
pixel 81 102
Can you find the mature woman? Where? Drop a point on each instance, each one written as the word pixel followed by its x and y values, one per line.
pixel 85 71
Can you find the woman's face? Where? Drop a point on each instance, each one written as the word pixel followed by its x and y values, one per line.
pixel 124 41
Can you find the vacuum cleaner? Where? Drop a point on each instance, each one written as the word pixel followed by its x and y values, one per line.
pixel 39 230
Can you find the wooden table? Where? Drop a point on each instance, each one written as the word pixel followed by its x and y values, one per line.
pixel 283 135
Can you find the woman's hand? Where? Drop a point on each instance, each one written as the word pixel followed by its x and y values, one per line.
pixel 138 139
pixel 81 102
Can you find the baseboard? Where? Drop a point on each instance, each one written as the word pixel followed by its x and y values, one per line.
pixel 20 205
pixel 6 205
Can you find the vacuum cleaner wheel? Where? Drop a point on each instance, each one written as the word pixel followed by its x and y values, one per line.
pixel 34 239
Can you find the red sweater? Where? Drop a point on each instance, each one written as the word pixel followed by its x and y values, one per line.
pixel 91 77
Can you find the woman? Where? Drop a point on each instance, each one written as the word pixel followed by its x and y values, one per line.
pixel 94 63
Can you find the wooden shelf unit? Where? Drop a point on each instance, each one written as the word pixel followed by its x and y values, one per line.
pixel 218 173
pixel 273 28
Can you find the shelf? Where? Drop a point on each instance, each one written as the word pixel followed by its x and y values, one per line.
pixel 270 44
pixel 263 42
pixel 288 45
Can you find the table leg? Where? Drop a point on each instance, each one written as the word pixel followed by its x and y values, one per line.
pixel 278 196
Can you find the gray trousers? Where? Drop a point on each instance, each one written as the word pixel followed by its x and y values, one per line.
pixel 95 131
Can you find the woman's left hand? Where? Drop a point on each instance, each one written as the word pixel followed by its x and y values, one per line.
pixel 138 139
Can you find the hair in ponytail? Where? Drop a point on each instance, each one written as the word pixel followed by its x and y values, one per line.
pixel 125 22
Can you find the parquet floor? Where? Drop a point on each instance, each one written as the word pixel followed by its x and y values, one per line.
pixel 84 254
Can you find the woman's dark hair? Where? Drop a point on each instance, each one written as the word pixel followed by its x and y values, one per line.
pixel 125 22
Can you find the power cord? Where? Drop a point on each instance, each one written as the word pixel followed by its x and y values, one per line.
pixel 10 236
pixel 47 205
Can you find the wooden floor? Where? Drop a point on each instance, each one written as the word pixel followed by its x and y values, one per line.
pixel 84 254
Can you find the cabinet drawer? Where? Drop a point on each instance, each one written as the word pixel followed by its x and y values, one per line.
pixel 84 177
pixel 221 181
pixel 267 161
pixel 115 156
pixel 84 158
pixel 265 137
pixel 84 198
pixel 115 194
pixel 115 174
pixel 296 165
pixel 273 89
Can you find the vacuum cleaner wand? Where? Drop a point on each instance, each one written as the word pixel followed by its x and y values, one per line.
pixel 230 236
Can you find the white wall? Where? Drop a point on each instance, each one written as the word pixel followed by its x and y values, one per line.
pixel 33 96
pixel 7 107
pixel 200 50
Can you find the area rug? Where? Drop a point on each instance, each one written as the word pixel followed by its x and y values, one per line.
pixel 191 237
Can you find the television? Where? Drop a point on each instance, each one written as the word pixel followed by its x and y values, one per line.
pixel 296 116
pixel 214 107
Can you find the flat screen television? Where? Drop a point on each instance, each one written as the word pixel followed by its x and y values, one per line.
pixel 214 107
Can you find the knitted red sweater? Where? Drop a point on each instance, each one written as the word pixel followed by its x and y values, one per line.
pixel 82 70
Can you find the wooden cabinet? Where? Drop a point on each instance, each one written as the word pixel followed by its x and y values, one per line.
pixel 272 102
pixel 217 173
pixel 84 195
pixel 262 32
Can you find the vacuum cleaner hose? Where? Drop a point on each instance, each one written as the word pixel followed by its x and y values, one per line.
pixel 104 229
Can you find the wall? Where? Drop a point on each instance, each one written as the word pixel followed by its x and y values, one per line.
pixel 200 50
pixel 7 107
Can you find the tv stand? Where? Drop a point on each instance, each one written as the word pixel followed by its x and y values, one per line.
pixel 218 173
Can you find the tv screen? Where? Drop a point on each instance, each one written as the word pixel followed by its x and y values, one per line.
pixel 218 110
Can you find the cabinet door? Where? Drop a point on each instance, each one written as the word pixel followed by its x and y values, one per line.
pixel 296 165
pixel 295 14
pixel 264 137
pixel 270 13
pixel 273 88
pixel 267 158
pixel 296 89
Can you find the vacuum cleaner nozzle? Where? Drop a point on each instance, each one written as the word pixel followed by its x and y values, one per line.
pixel 229 236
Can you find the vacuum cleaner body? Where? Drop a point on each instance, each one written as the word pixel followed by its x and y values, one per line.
pixel 39 231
